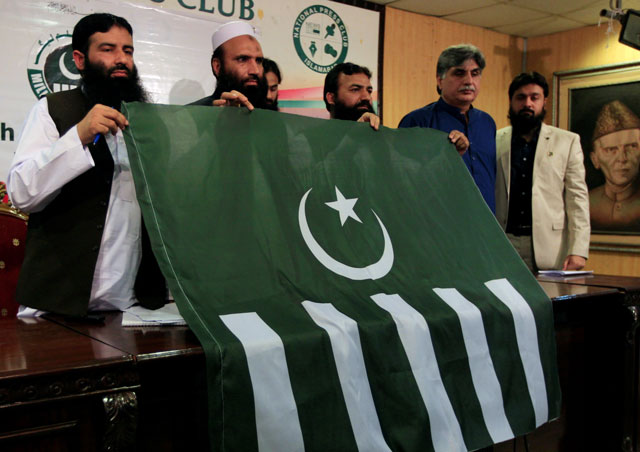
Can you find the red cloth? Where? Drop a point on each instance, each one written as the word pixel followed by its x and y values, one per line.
pixel 13 232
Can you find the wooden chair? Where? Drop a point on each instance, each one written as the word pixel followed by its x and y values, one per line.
pixel 13 232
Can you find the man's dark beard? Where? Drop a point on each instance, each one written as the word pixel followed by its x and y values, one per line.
pixel 271 105
pixel 523 123
pixel 257 94
pixel 100 88
pixel 341 111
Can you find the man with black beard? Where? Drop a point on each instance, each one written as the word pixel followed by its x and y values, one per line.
pixel 541 196
pixel 111 85
pixel 273 78
pixel 347 94
pixel 86 247
pixel 237 65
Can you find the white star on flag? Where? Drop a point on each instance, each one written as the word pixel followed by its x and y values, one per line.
pixel 344 207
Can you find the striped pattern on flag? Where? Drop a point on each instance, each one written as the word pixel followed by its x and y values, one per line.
pixel 277 405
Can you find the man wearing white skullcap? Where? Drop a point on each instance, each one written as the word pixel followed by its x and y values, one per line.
pixel 237 64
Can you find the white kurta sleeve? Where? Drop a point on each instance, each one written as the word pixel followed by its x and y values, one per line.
pixel 44 162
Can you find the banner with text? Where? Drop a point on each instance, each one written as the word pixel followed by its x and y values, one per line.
pixel 172 40
pixel 351 289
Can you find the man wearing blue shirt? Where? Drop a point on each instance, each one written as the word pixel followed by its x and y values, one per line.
pixel 472 131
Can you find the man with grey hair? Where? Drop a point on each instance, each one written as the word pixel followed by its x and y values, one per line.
pixel 472 131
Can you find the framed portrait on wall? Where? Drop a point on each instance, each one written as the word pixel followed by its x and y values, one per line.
pixel 602 105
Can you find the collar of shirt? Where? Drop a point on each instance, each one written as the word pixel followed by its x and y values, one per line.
pixel 455 111
pixel 517 140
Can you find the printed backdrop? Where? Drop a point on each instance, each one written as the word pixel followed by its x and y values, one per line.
pixel 172 41
pixel 351 289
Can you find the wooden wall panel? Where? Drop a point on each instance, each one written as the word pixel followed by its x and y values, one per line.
pixel 412 45
pixel 577 49
pixel 614 255
pixel 614 263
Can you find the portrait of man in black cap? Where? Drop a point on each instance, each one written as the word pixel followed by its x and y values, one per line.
pixel 616 152
pixel 607 118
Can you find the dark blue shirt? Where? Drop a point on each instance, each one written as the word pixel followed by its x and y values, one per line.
pixel 480 158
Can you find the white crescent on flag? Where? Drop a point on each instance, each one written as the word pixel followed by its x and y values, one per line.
pixel 374 271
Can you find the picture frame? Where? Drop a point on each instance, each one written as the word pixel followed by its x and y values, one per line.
pixel 578 97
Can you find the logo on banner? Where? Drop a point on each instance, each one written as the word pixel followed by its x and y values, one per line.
pixel 51 67
pixel 320 38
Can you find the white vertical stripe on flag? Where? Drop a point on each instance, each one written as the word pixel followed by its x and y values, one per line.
pixel 277 423
pixel 527 337
pixel 347 353
pixel 416 340
pixel 483 374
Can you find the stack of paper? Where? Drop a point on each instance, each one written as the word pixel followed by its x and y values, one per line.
pixel 565 272
pixel 139 316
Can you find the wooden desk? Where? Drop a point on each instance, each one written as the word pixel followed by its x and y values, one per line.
pixel 164 368
pixel 142 343
pixel 158 349
pixel 55 384
pixel 567 292
pixel 581 314
pixel 170 365
pixel 611 394
pixel 626 283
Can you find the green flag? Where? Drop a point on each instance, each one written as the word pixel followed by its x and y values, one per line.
pixel 351 289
